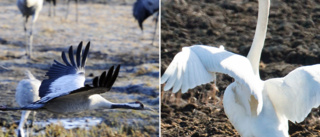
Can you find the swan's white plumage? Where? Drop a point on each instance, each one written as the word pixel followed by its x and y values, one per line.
pixel 297 93
pixel 289 98
pixel 266 124
pixel 180 73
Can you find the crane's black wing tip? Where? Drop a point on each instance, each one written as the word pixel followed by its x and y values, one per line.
pixel 85 54
pixel 106 79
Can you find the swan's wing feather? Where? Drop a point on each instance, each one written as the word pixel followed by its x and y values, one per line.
pixel 297 93
pixel 197 65
pixel 185 72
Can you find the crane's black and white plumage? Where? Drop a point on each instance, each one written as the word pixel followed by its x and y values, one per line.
pixel 142 9
pixel 254 107
pixel 27 92
pixel 29 8
pixel 64 91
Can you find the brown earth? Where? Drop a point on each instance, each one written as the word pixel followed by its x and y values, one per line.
pixel 293 40
pixel 115 39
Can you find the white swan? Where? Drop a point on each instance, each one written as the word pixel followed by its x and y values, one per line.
pixel 254 107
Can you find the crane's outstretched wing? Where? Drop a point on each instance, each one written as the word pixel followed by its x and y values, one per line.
pixel 197 64
pixel 66 77
pixel 100 85
pixel 294 95
pixel 142 9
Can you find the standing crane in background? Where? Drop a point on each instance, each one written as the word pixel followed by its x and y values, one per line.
pixel 29 8
pixel 142 9
pixel 27 92
pixel 52 7
pixel 53 4
pixel 64 91
pixel 77 1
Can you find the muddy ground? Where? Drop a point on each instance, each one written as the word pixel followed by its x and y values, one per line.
pixel 293 40
pixel 115 39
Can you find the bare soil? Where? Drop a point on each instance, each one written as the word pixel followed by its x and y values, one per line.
pixel 292 41
pixel 115 39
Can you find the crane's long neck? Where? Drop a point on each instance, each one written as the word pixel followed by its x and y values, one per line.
pixel 254 54
pixel 125 106
pixel 96 102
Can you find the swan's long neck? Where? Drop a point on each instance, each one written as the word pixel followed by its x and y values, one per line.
pixel 254 54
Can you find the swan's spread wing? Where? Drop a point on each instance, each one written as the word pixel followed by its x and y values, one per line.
pixel 196 65
pixel 66 77
pixel 186 71
pixel 294 95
